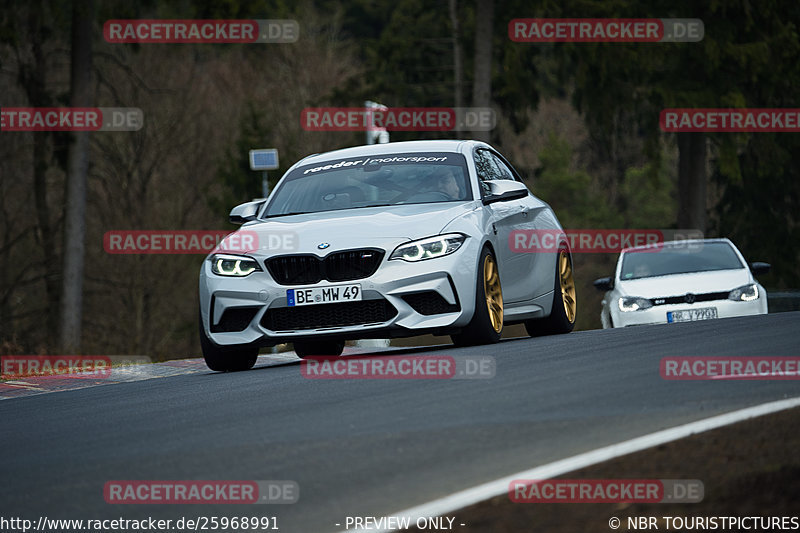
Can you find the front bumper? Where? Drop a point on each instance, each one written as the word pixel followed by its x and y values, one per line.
pixel 395 302
pixel 658 313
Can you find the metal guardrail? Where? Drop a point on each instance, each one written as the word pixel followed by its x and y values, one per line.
pixel 783 301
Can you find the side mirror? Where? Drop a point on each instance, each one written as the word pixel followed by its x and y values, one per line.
pixel 504 191
pixel 758 268
pixel 603 284
pixel 246 212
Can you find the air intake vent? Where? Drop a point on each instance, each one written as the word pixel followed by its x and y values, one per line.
pixel 234 319
pixel 328 315
pixel 430 303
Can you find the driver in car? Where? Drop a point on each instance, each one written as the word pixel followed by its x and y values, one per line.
pixel 444 181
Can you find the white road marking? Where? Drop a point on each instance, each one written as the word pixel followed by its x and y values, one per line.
pixel 459 500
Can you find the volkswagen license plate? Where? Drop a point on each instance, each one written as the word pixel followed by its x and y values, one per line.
pixel 691 315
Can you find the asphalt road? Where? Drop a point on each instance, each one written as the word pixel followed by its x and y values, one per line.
pixel 370 447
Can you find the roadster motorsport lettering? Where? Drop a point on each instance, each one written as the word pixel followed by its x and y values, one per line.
pixel 376 161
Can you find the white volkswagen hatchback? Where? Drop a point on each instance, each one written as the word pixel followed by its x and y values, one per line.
pixel 681 281
pixel 381 241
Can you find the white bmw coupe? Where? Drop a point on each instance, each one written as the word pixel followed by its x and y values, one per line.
pixel 382 241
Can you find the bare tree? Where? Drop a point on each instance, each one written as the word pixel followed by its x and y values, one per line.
pixel 77 167
pixel 457 61
pixel 32 69
pixel 482 82
pixel 692 178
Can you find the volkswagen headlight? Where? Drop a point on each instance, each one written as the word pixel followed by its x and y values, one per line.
pixel 429 248
pixel 633 303
pixel 233 265
pixel 748 293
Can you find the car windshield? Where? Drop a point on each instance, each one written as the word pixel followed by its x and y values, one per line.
pixel 382 180
pixel 683 258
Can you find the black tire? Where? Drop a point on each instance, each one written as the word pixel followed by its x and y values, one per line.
pixel 480 329
pixel 224 359
pixel 305 349
pixel 558 322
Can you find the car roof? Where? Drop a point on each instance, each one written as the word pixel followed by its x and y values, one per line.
pixel 443 145
pixel 677 242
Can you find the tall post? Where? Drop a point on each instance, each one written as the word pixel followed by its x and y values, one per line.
pixel 77 169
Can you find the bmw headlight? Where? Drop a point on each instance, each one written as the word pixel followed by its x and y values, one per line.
pixel 633 303
pixel 748 293
pixel 233 265
pixel 429 248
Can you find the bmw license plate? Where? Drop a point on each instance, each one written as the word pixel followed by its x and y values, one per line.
pixel 323 295
pixel 691 315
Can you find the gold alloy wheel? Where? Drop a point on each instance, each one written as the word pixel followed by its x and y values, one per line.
pixel 567 285
pixel 493 292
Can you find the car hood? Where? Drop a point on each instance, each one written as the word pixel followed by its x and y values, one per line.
pixel 680 284
pixel 351 228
